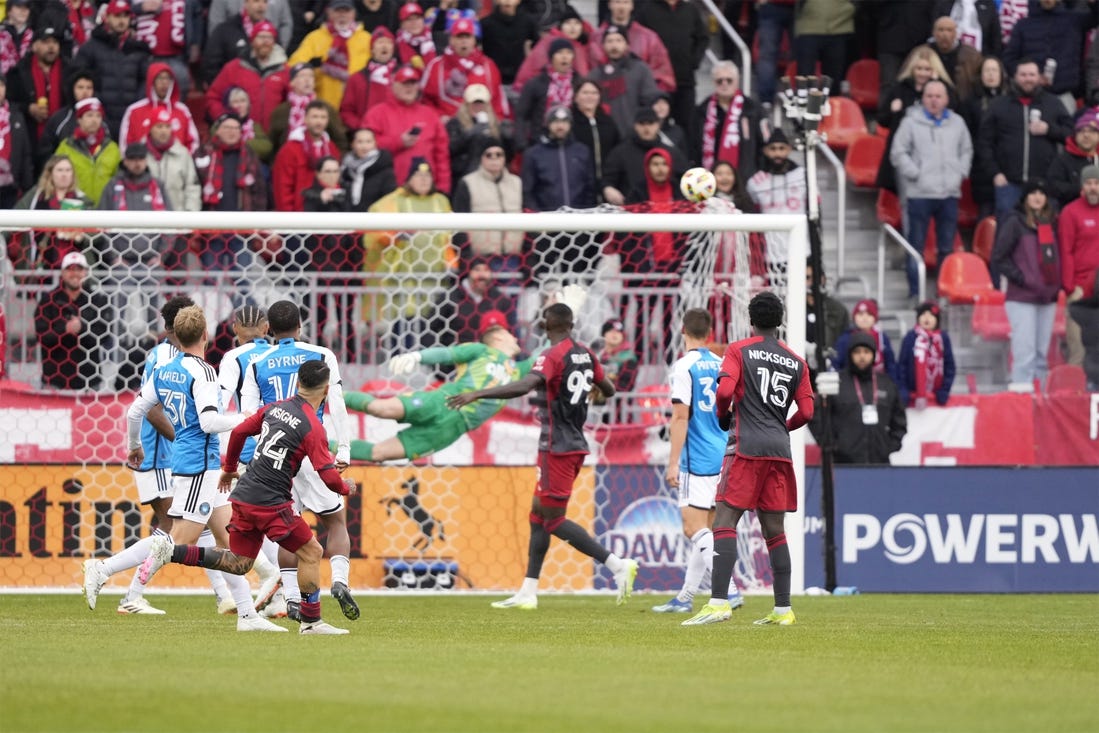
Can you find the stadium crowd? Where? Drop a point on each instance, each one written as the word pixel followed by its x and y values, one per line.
pixel 376 106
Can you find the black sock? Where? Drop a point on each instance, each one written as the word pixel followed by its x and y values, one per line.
pixel 537 549
pixel 578 537
pixel 724 562
pixel 780 569
pixel 188 555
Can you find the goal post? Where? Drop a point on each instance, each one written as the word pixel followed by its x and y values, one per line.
pixel 67 496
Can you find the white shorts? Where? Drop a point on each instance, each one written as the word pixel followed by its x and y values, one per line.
pixel 156 483
pixel 697 491
pixel 196 497
pixel 311 493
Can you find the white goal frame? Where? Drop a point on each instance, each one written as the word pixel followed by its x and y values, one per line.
pixel 794 226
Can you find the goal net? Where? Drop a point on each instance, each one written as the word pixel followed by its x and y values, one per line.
pixel 373 286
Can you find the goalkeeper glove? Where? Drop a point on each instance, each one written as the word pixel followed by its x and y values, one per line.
pixel 405 363
pixel 574 296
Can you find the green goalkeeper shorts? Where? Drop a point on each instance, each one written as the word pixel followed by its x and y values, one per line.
pixel 432 425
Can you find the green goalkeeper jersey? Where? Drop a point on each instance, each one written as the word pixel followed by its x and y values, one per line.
pixel 479 367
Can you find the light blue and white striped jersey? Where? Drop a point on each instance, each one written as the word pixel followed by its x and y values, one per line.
pixel 694 383
pixel 234 365
pixel 158 449
pixel 187 387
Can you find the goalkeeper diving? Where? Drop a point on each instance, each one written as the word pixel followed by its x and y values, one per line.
pixel 432 425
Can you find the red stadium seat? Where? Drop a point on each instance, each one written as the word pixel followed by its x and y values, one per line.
pixel 863 160
pixel 967 207
pixel 845 123
pixel 655 404
pixel 864 78
pixel 964 279
pixel 984 238
pixel 1059 318
pixel 990 322
pixel 889 208
pixel 1066 378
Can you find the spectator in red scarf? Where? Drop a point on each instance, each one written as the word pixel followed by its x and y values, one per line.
pixel 56 188
pixel 231 37
pixel 252 133
pixel 16 162
pixel 865 321
pixel 290 115
pixel 339 48
pixel 925 370
pixel 16 34
pixel 62 122
pixel 552 87
pixel 571 28
pixel 370 86
pixel 409 128
pixel 94 155
pixel 37 82
pixel 462 64
pixel 262 73
pixel 162 96
pixel 415 44
pixel 297 160
pixel 76 18
pixel 726 126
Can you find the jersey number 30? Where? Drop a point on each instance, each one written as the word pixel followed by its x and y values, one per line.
pixel 773 386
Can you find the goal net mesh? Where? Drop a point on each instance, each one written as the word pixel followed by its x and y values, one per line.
pixel 72 361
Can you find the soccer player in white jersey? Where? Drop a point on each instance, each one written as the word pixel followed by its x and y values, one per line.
pixel 698 449
pixel 272 377
pixel 187 389
pixel 250 329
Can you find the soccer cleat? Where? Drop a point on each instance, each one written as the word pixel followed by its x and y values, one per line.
pixel 777 619
pixel 256 623
pixel 736 600
pixel 160 554
pixel 710 614
pixel 674 606
pixel 293 611
pixel 523 603
pixel 347 604
pixel 138 605
pixel 624 580
pixel 321 627
pixel 267 590
pixel 94 580
pixel 227 607
pixel 276 608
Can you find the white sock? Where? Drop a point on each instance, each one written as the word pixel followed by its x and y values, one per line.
pixel 700 560
pixel 529 587
pixel 264 567
pixel 782 609
pixel 270 550
pixel 216 577
pixel 242 594
pixel 131 557
pixel 718 601
pixel 341 569
pixel 290 584
pixel 614 563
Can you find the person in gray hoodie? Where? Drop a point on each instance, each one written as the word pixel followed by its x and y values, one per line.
pixel 931 154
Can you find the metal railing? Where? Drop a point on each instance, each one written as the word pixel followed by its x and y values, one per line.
pixel 841 207
pixel 745 52
pixel 921 268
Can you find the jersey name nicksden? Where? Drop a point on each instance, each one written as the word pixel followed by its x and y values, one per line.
pixel 773 358
pixel 282 415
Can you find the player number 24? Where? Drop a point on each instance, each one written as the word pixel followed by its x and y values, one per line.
pixel 773 386
pixel 267 445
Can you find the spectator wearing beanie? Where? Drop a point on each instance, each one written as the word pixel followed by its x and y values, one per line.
pixel 61 124
pixel 415 42
pixel 278 12
pixel 557 171
pixel 95 157
pixel 865 320
pixel 231 36
pixel 506 37
pixel 925 369
pixel 626 81
pixel 36 85
pixel 261 72
pixel 371 86
pixel 1080 150
pixel 552 87
pixel 460 65
pixel 489 189
pixel 644 43
pixel 571 28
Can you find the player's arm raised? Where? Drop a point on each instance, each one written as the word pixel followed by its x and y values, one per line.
pixel 508 391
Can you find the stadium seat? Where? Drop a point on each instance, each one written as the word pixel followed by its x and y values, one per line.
pixel 964 279
pixel 881 131
pixel 864 79
pixel 990 322
pixel 967 207
pixel 654 405
pixel 845 123
pixel 863 160
pixel 1066 378
pixel 984 238
pixel 1059 318
pixel 889 208
pixel 930 246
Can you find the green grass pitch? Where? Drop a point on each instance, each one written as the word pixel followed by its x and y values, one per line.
pixel 578 663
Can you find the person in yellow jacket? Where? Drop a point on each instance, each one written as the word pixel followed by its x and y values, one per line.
pixel 338 49
pixel 412 266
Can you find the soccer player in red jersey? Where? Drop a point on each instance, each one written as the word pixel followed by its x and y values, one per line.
pixel 563 375
pixel 760 378
pixel 289 431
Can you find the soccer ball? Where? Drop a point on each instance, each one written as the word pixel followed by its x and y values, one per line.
pixel 698 184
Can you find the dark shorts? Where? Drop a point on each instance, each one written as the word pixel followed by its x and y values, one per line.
pixel 556 476
pixel 251 523
pixel 765 484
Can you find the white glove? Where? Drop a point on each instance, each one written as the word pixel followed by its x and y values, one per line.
pixel 404 363
pixel 574 296
pixel 343 455
pixel 828 383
